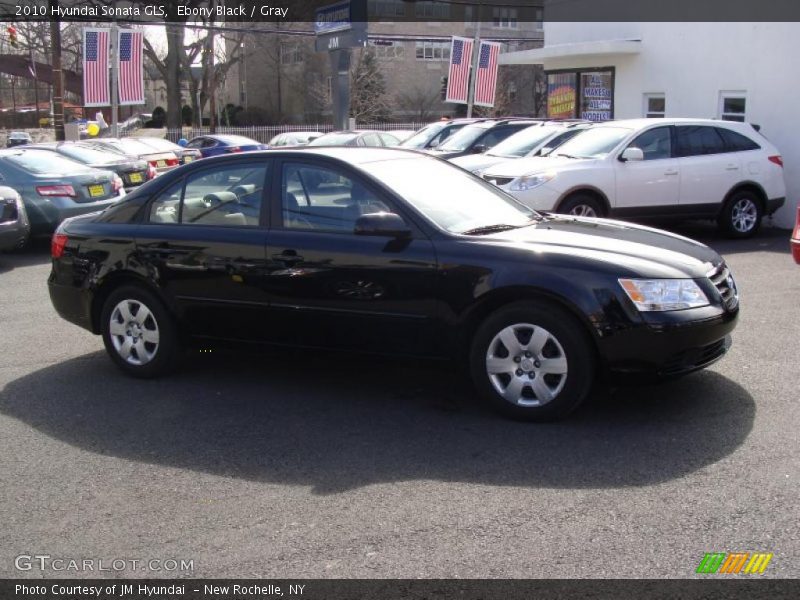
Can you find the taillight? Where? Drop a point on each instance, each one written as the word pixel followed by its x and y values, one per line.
pixel 796 239
pixel 55 190
pixel 172 162
pixel 57 245
pixel 777 159
pixel 151 171
pixel 234 149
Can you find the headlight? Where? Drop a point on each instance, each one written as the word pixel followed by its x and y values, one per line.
pixel 664 294
pixel 528 182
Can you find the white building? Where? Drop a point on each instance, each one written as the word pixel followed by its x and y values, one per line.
pixel 738 71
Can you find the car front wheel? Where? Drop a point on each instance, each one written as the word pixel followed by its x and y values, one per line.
pixel 532 361
pixel 581 205
pixel 138 332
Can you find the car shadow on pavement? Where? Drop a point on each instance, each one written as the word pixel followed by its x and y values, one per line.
pixel 336 423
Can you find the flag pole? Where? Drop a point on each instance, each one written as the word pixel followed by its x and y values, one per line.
pixel 114 76
pixel 476 50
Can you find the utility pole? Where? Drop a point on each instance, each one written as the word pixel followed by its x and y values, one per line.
pixel 58 76
pixel 473 75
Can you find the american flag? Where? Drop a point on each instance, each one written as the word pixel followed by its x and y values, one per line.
pixel 458 78
pixel 131 84
pixel 95 67
pixel 486 82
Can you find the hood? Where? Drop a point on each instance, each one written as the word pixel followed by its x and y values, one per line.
pixel 633 250
pixel 478 162
pixel 537 164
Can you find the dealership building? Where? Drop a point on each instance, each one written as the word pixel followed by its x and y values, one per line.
pixel 735 71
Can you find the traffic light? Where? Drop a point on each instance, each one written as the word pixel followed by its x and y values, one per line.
pixel 443 90
pixel 12 35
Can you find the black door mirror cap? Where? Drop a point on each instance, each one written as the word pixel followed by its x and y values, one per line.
pixel 382 224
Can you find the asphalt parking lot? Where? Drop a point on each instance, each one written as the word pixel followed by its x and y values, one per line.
pixel 271 465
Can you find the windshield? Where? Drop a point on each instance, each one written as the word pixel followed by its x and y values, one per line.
pixel 46 162
pixel 85 154
pixel 419 139
pixel 593 143
pixel 522 142
pixel 462 139
pixel 333 139
pixel 451 198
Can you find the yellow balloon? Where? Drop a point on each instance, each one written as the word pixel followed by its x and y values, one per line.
pixel 92 129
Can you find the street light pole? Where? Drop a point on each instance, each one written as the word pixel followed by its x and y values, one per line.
pixel 476 50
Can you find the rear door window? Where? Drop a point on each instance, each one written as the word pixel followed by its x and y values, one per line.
pixel 698 140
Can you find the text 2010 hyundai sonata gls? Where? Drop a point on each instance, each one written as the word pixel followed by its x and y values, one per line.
pixel 390 251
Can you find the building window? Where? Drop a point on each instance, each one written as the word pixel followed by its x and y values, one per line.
pixel 655 106
pixel 291 53
pixel 432 10
pixel 433 51
pixel 505 18
pixel 386 8
pixel 386 50
pixel 586 94
pixel 732 106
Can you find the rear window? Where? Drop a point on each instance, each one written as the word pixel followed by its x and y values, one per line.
pixel 737 142
pixel 85 154
pixel 333 139
pixel 160 144
pixel 45 162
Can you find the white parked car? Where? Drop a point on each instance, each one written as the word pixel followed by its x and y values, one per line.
pixel 537 140
pixel 688 168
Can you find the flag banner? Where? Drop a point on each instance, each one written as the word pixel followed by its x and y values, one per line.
pixel 458 77
pixel 95 67
pixel 129 61
pixel 486 81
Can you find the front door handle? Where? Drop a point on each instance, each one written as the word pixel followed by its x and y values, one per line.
pixel 289 257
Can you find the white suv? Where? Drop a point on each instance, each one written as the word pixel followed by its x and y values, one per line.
pixel 689 168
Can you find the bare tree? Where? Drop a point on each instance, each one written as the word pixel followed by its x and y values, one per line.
pixel 420 100
pixel 368 99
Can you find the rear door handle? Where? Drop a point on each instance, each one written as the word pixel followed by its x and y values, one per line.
pixel 671 172
pixel 732 168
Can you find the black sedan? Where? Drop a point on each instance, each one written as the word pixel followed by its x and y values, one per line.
pixel 133 171
pixel 390 251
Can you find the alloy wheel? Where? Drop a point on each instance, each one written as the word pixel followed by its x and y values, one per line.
pixel 744 215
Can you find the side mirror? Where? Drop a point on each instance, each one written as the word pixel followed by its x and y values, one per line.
pixel 631 154
pixel 479 148
pixel 382 224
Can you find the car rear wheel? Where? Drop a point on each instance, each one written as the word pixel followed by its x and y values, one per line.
pixel 741 215
pixel 138 332
pixel 532 361
pixel 581 205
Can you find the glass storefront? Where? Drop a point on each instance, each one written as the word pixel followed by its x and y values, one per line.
pixel 581 93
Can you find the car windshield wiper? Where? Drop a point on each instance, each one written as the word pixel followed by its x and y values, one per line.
pixel 568 155
pixel 491 228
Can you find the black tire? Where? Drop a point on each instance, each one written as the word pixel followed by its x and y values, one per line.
pixel 157 359
pixel 582 205
pixel 741 216
pixel 572 346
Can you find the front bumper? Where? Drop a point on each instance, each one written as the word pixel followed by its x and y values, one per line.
pixel 668 346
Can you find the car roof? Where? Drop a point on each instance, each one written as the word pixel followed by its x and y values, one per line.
pixel 641 123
